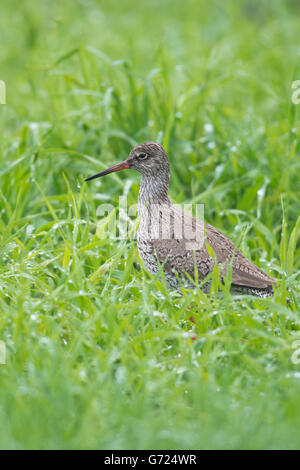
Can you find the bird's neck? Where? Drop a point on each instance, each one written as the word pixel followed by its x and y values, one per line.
pixel 153 190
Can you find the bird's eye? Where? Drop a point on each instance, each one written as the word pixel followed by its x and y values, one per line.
pixel 142 156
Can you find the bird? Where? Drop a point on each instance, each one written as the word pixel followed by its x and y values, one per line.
pixel 185 247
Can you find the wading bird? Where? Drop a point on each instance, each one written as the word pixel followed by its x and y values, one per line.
pixel 185 246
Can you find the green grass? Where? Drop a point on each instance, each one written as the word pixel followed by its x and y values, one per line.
pixel 99 354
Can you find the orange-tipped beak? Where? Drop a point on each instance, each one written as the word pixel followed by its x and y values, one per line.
pixel 120 166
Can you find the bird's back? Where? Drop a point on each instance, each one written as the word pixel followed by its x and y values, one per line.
pixel 178 241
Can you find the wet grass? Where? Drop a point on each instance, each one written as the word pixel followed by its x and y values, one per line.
pixel 98 353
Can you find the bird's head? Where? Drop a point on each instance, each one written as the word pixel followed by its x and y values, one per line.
pixel 149 158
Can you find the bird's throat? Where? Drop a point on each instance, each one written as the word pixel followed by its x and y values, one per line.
pixel 153 191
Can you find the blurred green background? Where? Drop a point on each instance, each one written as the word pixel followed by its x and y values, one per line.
pixel 98 353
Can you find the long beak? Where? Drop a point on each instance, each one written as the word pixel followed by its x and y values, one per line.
pixel 118 167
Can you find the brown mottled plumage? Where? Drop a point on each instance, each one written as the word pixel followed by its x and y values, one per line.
pixel 170 237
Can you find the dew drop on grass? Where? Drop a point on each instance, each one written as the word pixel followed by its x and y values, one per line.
pixel 34 126
pixel 29 229
pixel 208 128
pixel 211 145
pixel 260 193
pixel 82 374
pixel 45 340
pixel 219 170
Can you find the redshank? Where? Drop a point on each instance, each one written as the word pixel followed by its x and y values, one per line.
pixel 185 247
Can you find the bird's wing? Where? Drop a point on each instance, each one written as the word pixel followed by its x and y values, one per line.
pixel 179 253
pixel 182 244
pixel 244 273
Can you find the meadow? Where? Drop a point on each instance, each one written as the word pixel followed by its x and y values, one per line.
pixel 99 354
